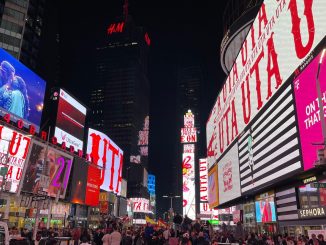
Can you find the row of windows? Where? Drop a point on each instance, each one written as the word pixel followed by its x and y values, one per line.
pixel 14 13
pixel 10 26
pixel 21 3
pixel 10 40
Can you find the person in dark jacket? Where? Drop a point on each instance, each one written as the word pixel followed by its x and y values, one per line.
pixel 127 238
pixel 98 237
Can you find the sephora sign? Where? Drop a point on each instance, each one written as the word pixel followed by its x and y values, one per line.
pixel 280 39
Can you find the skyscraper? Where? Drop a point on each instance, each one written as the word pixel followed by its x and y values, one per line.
pixel 21 29
pixel 120 98
pixel 190 82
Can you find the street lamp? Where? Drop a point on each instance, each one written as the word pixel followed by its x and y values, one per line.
pixel 171 197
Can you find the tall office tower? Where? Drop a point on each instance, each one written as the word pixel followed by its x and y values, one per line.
pixel 21 27
pixel 190 82
pixel 120 98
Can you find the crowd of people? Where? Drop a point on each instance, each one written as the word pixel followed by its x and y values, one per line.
pixel 185 233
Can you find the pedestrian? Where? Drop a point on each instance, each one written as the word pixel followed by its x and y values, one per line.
pixel 115 236
pixel 321 239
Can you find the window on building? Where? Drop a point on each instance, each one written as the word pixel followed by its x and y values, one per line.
pixel 10 40
pixel 10 26
pixel 311 197
pixel 14 13
pixel 21 3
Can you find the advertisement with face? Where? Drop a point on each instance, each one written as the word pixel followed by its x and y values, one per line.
pixel 265 210
pixel 228 176
pixel 282 36
pixel 70 121
pixel 213 187
pixel 21 91
pixel 109 157
pixel 48 170
pixel 14 147
pixel 307 107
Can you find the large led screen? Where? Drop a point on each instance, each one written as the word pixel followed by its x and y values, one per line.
pixel 107 155
pixel 213 187
pixel 48 170
pixel 282 36
pixel 307 107
pixel 70 121
pixel 188 187
pixel 78 181
pixel 21 91
pixel 265 210
pixel 228 176
pixel 14 148
pixel 269 148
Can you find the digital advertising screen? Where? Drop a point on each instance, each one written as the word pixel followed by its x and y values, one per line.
pixel 228 176
pixel 203 177
pixel 265 210
pixel 48 170
pixel 93 185
pixel 213 187
pixel 70 121
pixel 109 157
pixel 307 108
pixel 269 148
pixel 21 91
pixel 188 187
pixel 139 205
pixel 79 181
pixel 282 36
pixel 14 148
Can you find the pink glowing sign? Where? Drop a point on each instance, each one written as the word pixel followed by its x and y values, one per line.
pixel 307 106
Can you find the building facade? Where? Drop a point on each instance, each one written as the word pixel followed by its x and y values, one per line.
pixel 21 27
pixel 119 99
pixel 266 168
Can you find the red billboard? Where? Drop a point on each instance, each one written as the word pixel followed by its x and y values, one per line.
pixel 70 121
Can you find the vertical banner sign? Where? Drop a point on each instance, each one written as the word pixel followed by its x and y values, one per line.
pixel 281 38
pixel 205 211
pixel 189 136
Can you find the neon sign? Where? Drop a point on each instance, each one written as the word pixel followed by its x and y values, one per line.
pixel 115 28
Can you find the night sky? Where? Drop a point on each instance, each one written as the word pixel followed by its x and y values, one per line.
pixel 176 28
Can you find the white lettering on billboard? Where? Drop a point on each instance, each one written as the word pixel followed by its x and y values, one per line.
pixel 282 36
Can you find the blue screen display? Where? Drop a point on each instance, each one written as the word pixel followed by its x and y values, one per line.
pixel 265 211
pixel 21 91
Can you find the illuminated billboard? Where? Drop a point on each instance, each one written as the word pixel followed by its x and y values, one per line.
pixel 14 147
pixel 188 187
pixel 280 39
pixel 307 107
pixel 203 180
pixel 228 176
pixel 269 149
pixel 48 170
pixel 265 208
pixel 70 121
pixel 107 155
pixel 21 91
pixel 140 205
pixel 85 184
pixel 213 187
